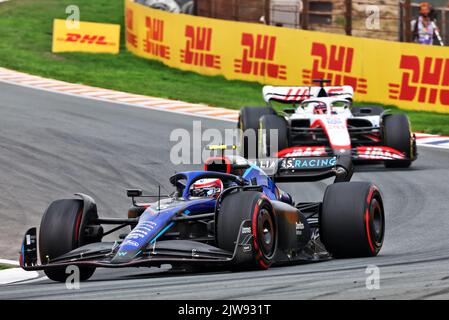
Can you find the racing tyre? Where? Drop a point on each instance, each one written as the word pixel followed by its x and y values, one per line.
pixel 60 233
pixel 254 206
pixel 352 221
pixel 267 147
pixel 360 111
pixel 397 135
pixel 249 124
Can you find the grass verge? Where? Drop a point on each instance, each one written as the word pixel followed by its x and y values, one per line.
pixel 26 27
pixel 4 266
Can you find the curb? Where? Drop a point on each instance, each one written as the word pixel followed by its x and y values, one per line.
pixel 431 140
pixel 9 262
pixel 135 100
pixel 14 274
pixel 9 276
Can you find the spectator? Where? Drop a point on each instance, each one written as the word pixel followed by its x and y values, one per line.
pixel 424 26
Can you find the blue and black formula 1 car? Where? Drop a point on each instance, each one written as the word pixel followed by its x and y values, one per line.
pixel 231 215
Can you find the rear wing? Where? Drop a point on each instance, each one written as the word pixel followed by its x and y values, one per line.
pixel 294 95
pixel 307 169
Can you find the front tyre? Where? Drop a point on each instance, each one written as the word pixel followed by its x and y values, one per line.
pixel 276 127
pixel 60 233
pixel 397 135
pixel 256 207
pixel 352 220
pixel 249 126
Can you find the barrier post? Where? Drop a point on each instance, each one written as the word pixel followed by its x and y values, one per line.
pixel 267 12
pixel 348 17
pixel 195 7
pixel 305 15
pixel 408 20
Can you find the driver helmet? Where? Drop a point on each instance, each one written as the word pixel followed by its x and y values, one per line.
pixel 210 188
pixel 320 108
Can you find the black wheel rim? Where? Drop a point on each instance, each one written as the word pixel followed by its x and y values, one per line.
pixel 266 233
pixel 377 222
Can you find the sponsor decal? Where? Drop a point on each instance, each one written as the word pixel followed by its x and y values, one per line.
pixel 90 37
pixel 334 121
pixel 379 153
pixel 198 48
pixel 246 230
pixel 303 152
pixel 298 94
pixel 334 63
pixel 307 163
pixel 424 80
pixel 299 228
pixel 154 38
pixel 131 37
pixel 87 38
pixel 132 243
pixel 258 57
pixel 265 164
pixel 142 231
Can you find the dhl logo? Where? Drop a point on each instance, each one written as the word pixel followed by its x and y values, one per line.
pixel 154 41
pixel 334 63
pixel 426 81
pixel 198 48
pixel 258 57
pixel 131 37
pixel 87 39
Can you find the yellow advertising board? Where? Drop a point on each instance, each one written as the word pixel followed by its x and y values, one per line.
pixel 408 75
pixel 89 37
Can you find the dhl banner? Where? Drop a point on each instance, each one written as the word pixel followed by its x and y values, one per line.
pixel 408 75
pixel 89 37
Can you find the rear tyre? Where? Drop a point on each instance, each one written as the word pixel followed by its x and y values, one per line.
pixel 249 126
pixel 60 233
pixel 397 135
pixel 267 147
pixel 360 111
pixel 248 205
pixel 352 220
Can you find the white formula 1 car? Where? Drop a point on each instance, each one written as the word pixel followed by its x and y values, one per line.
pixel 322 121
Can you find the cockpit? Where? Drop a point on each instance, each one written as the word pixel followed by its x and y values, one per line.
pixel 324 106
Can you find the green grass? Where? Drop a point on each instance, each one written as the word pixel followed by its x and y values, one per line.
pixel 4 266
pixel 26 33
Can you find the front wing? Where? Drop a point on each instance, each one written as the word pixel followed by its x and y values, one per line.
pixel 371 153
pixel 172 252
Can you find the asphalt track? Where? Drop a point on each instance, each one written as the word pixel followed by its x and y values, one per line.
pixel 52 146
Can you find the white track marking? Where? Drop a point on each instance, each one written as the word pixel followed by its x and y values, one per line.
pixel 123 98
pixel 32 280
pixel 9 262
pixel 15 275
